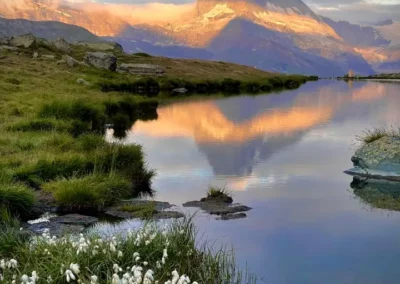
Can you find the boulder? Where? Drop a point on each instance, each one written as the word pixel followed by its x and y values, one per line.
pixel 101 60
pixel 71 62
pixel 82 82
pixel 35 55
pixel 141 69
pixel 379 159
pixel 27 41
pixel 62 44
pixel 48 56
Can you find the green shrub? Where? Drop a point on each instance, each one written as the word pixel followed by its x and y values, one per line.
pixel 144 211
pixel 230 85
pixel 89 192
pixel 16 198
pixel 142 54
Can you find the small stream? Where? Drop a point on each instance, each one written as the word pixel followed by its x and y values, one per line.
pixel 284 155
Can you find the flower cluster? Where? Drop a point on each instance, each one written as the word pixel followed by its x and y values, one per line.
pixel 93 259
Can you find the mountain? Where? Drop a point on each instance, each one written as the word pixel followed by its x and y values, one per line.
pixel 48 30
pixel 276 35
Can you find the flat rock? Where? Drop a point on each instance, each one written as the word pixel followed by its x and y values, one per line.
pixel 101 60
pixel 379 159
pixel 6 47
pixel 220 205
pixel 75 219
pixel 142 69
pixel 160 208
pixel 232 216
pixel 27 41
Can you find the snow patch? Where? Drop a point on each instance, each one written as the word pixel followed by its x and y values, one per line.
pixel 218 10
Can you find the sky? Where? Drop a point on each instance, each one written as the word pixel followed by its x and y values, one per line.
pixel 363 11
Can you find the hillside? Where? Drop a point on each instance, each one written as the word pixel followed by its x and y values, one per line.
pixel 45 29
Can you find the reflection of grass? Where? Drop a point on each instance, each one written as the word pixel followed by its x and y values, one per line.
pixel 371 135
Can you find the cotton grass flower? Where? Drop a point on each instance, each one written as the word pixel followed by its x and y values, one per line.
pixel 69 275
pixel 94 279
pixel 75 268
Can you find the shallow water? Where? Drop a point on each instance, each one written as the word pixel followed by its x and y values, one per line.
pixel 284 155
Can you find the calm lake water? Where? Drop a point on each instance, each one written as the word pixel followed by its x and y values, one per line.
pixel 284 155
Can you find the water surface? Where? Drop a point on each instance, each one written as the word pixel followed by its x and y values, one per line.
pixel 283 154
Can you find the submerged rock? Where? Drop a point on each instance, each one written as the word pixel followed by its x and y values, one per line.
pixel 378 160
pixel 232 216
pixel 75 219
pixel 101 60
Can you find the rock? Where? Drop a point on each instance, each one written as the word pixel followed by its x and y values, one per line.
pixel 75 219
pixel 59 62
pixel 101 60
pixel 83 82
pixel 160 211
pixel 71 62
pixel 35 55
pixel 48 56
pixel 232 216
pixel 62 44
pixel 379 160
pixel 141 69
pixel 27 41
pixel 103 46
pixel 220 205
pixel 180 90
pixel 4 41
pixel 11 48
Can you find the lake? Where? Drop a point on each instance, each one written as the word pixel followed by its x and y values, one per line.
pixel 284 155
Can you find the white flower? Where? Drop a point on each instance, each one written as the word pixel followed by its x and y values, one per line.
pixel 165 254
pixel 2 264
pixel 175 276
pixel 145 263
pixel 93 279
pixel 49 279
pixel 147 242
pixel 74 267
pixel 195 282
pixel 34 277
pixel 112 248
pixel 137 259
pixel 115 279
pixel 69 275
pixel 120 254
pixel 136 254
pixel 25 279
pixel 12 263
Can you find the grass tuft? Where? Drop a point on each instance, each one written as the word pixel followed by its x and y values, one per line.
pixel 369 136
pixel 218 191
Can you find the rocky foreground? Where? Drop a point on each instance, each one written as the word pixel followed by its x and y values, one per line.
pixel 378 160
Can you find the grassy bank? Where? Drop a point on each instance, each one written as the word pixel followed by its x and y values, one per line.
pixel 148 255
pixel 52 128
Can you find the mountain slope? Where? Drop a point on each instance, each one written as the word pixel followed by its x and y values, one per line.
pixel 48 30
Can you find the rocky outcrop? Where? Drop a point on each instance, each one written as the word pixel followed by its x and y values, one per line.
pixel 6 47
pixel 141 69
pixel 101 60
pixel 221 206
pixel 62 45
pixel 379 160
pixel 4 41
pixel 27 41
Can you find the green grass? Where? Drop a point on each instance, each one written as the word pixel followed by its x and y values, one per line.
pixel 202 263
pixel 372 135
pixel 16 198
pixel 89 192
pixel 142 211
pixel 218 191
